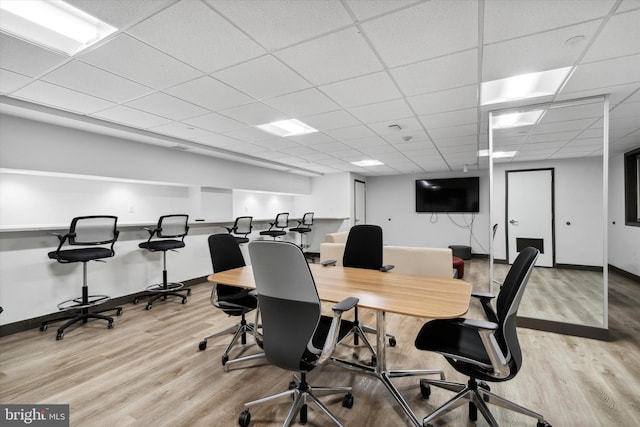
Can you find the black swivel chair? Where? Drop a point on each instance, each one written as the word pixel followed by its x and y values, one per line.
pixel 94 232
pixel 225 255
pixel 295 335
pixel 303 227
pixel 276 228
pixel 169 235
pixel 363 249
pixel 482 350
pixel 242 227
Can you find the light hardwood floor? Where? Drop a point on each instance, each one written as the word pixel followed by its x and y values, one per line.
pixel 148 371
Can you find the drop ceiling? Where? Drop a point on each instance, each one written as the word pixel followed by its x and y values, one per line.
pixel 393 80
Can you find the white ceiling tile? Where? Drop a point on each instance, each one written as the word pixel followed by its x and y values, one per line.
pixel 130 116
pixel 331 120
pixel 333 57
pixel 255 114
pixel 447 72
pixel 352 132
pixel 10 81
pixel 447 100
pixel 369 8
pixel 216 140
pixel 249 134
pixel 362 90
pixel 199 26
pixel 120 13
pixel 180 130
pixel 26 58
pixel 605 73
pixel 388 110
pixel 627 5
pixel 451 118
pixel 139 62
pixel 425 31
pixel 94 81
pixel 408 126
pixel 262 78
pixel 620 37
pixel 540 52
pixel 462 130
pixel 279 23
pixel 311 138
pixel 215 122
pixel 209 93
pixel 63 98
pixel 506 19
pixel 303 103
pixel 167 106
pixel 277 143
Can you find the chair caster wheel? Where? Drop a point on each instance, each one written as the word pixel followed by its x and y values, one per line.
pixel 292 385
pixel 184 300
pixel 188 292
pixel 425 389
pixel 225 359
pixel 543 424
pixel 347 401
pixel 148 307
pixel 59 336
pixel 44 327
pixel 110 325
pixel 374 360
pixel 303 414
pixel 202 346
pixel 392 342
pixel 119 312
pixel 136 300
pixel 244 419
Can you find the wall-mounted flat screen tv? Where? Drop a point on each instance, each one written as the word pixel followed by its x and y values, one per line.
pixel 448 195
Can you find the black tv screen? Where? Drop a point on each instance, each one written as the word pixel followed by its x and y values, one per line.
pixel 448 195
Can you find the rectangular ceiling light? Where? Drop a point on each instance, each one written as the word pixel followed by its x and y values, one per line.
pixel 290 127
pixel 516 119
pixel 53 24
pixel 368 163
pixel 498 154
pixel 524 86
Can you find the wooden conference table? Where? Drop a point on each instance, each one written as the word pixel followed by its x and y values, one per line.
pixel 390 292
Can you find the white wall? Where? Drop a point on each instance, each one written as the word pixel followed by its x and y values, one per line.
pixel 624 240
pixel 391 205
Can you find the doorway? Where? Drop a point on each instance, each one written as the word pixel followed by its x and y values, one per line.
pixel 530 213
pixel 359 202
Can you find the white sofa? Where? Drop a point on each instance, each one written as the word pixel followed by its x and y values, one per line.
pixel 435 262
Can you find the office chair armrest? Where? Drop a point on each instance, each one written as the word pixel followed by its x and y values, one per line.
pixel 328 262
pixel 387 267
pixel 345 305
pixel 485 300
pixel 151 231
pixel 334 329
pixel 229 229
pixel 62 239
pixel 482 295
pixel 479 324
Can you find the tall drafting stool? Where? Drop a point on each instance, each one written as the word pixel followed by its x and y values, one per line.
pixel 242 227
pixel 303 227
pixel 94 232
pixel 276 228
pixel 169 235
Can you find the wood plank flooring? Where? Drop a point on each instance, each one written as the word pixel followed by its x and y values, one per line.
pixel 148 371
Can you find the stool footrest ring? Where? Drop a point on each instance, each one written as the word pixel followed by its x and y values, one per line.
pixel 171 287
pixel 77 303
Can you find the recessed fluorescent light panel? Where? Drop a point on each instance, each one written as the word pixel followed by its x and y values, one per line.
pixel 498 154
pixel 516 119
pixel 291 127
pixel 53 24
pixel 524 86
pixel 368 163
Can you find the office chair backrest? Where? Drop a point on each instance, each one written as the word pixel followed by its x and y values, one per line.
pixel 173 226
pixel 307 219
pixel 93 230
pixel 243 225
pixel 363 248
pixel 225 253
pixel 508 302
pixel 288 300
pixel 282 220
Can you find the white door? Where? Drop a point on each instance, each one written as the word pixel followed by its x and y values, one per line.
pixel 359 208
pixel 530 213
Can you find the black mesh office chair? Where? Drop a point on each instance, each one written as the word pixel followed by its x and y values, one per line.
pixel 303 227
pixel 167 236
pixel 93 232
pixel 242 227
pixel 363 249
pixel 276 228
pixel 295 335
pixel 482 350
pixel 225 255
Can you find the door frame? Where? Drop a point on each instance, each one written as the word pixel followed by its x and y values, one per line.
pixel 355 200
pixel 553 209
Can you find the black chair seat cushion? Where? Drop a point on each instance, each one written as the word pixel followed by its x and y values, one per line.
pixel 446 337
pixel 241 240
pixel 162 245
pixel 235 301
pixel 300 229
pixel 273 233
pixel 81 255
